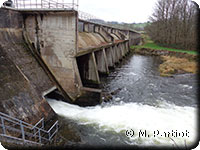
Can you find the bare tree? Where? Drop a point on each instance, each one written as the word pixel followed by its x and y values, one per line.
pixel 173 24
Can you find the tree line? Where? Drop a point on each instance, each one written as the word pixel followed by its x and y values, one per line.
pixel 174 24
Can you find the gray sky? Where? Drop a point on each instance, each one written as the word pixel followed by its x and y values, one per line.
pixel 119 10
pixel 128 11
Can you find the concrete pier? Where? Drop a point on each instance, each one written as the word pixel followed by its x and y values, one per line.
pixel 23 79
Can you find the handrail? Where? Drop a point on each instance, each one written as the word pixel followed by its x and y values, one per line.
pixel 19 131
pixel 52 126
pixel 44 4
pixel 41 120
pixel 13 118
pixel 87 16
pixel 19 139
pixel 34 130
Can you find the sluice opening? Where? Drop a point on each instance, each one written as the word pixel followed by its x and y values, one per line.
pixel 86 70
pixel 53 93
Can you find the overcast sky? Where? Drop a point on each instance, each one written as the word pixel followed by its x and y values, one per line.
pixel 128 11
pixel 119 10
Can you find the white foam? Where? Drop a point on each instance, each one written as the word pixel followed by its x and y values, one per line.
pixel 133 74
pixel 186 86
pixel 117 99
pixel 119 118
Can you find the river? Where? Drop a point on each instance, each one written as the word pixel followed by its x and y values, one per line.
pixel 148 109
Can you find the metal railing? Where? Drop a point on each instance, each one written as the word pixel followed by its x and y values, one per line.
pixel 45 4
pixel 86 16
pixel 19 130
pixel 53 5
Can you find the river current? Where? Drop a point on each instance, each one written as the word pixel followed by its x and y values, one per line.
pixel 147 110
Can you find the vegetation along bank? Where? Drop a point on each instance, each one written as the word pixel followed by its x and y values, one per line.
pixel 174 61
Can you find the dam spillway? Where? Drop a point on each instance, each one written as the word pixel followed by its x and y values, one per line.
pixel 44 49
pixel 74 50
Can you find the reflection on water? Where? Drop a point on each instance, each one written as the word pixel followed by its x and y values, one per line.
pixel 146 104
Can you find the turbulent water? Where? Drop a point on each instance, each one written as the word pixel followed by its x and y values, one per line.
pixel 147 110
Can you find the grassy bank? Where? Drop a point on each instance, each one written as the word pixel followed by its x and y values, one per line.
pixel 151 45
pixel 173 65
pixel 175 61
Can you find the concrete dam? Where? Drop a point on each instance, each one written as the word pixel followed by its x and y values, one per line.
pixel 53 51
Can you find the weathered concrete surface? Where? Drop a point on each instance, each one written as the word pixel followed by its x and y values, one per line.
pixel 110 57
pixel 10 19
pixel 55 37
pixel 93 70
pixel 115 37
pixel 22 80
pixel 108 37
pixel 102 63
pixel 90 40
pixel 118 33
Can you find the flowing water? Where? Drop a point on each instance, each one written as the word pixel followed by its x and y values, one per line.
pixel 147 110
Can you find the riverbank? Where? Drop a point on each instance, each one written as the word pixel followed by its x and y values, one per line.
pixel 173 65
pixel 149 44
pixel 172 62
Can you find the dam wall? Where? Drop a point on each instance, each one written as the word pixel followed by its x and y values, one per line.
pixel 22 79
pixel 54 36
pixel 54 49
pixel 76 51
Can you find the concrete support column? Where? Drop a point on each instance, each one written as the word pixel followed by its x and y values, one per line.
pixel 109 30
pixel 102 64
pixel 77 73
pixel 80 26
pixel 86 27
pixel 96 28
pixel 115 54
pixel 91 28
pixel 128 46
pixel 93 71
pixel 106 61
pixel 123 49
pixel 119 52
pixel 109 54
